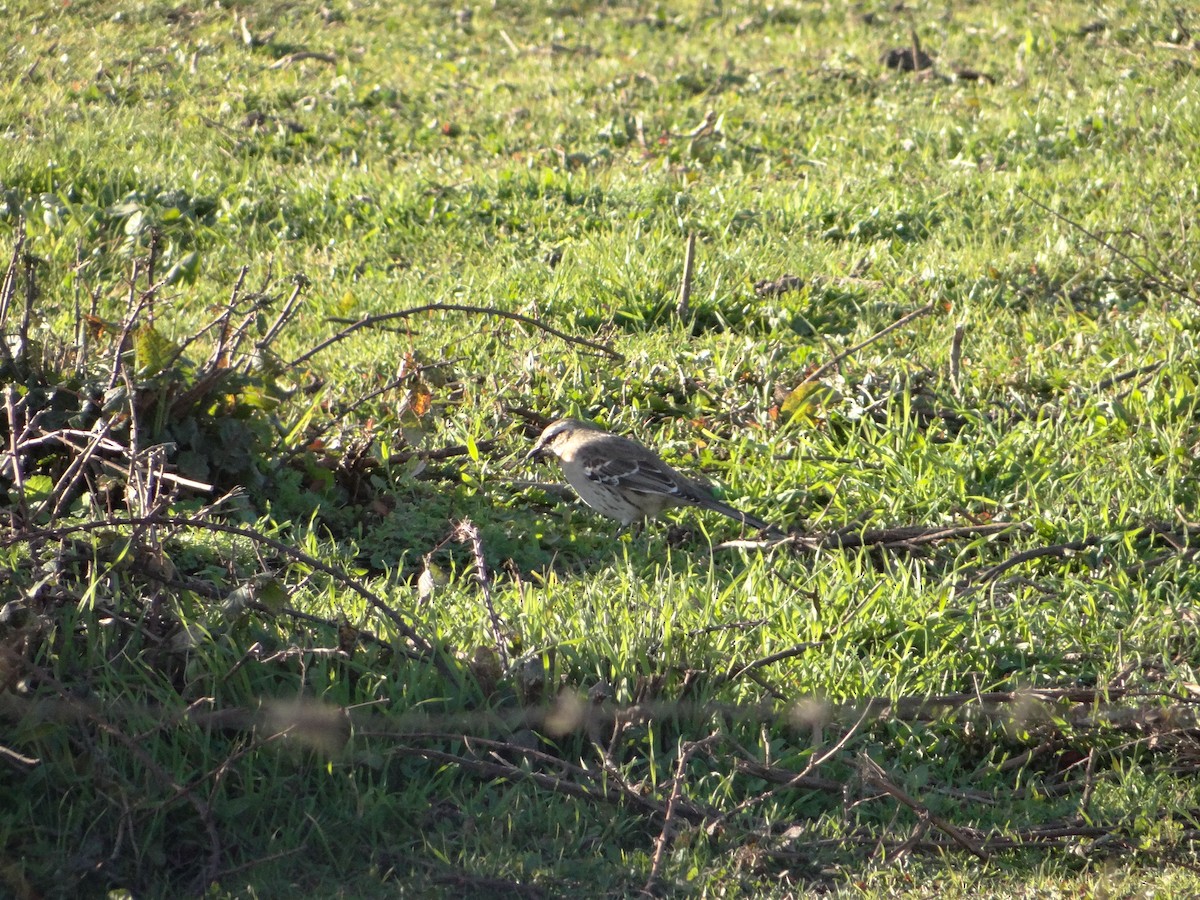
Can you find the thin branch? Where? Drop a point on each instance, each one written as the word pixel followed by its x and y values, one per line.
pixel 18 760
pixel 1113 380
pixel 135 747
pixel 903 537
pixel 956 342
pixel 31 294
pixel 65 486
pixel 899 323
pixel 1060 550
pixel 300 282
pixel 495 769
pixel 217 359
pixel 372 321
pixel 799 650
pixel 803 778
pixel 8 290
pixel 1156 277
pixel 14 451
pixel 300 55
pixel 687 751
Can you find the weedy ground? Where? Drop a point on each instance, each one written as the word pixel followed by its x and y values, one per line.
pixel 292 285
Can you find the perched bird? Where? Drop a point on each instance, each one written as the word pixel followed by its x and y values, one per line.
pixel 623 480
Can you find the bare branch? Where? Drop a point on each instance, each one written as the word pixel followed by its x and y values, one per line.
pixel 1156 277
pixel 423 649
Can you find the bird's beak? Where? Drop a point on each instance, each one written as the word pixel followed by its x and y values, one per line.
pixel 536 452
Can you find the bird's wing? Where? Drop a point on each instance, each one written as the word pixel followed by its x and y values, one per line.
pixel 652 476
pixel 642 475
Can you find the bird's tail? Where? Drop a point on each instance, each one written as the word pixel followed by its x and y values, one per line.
pixel 745 518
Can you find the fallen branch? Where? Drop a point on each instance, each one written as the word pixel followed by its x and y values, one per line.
pixel 686 752
pixel 1114 380
pixel 904 537
pixel 874 775
pixel 1058 550
pixel 300 55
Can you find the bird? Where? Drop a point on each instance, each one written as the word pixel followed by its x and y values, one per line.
pixel 623 480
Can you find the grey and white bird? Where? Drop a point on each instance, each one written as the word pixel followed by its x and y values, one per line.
pixel 621 479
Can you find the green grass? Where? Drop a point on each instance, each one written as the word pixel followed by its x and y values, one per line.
pixel 550 159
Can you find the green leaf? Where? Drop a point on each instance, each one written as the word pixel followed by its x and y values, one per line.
pixel 185 270
pixel 134 224
pixel 806 401
pixel 37 488
pixel 272 594
pixel 154 351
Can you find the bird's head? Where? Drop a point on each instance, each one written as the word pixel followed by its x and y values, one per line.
pixel 555 436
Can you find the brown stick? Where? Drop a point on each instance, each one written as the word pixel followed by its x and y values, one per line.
pixel 686 752
pixel 683 308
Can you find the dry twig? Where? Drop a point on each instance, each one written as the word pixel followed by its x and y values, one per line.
pixel 466 532
pixel 849 351
pixel 1160 277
